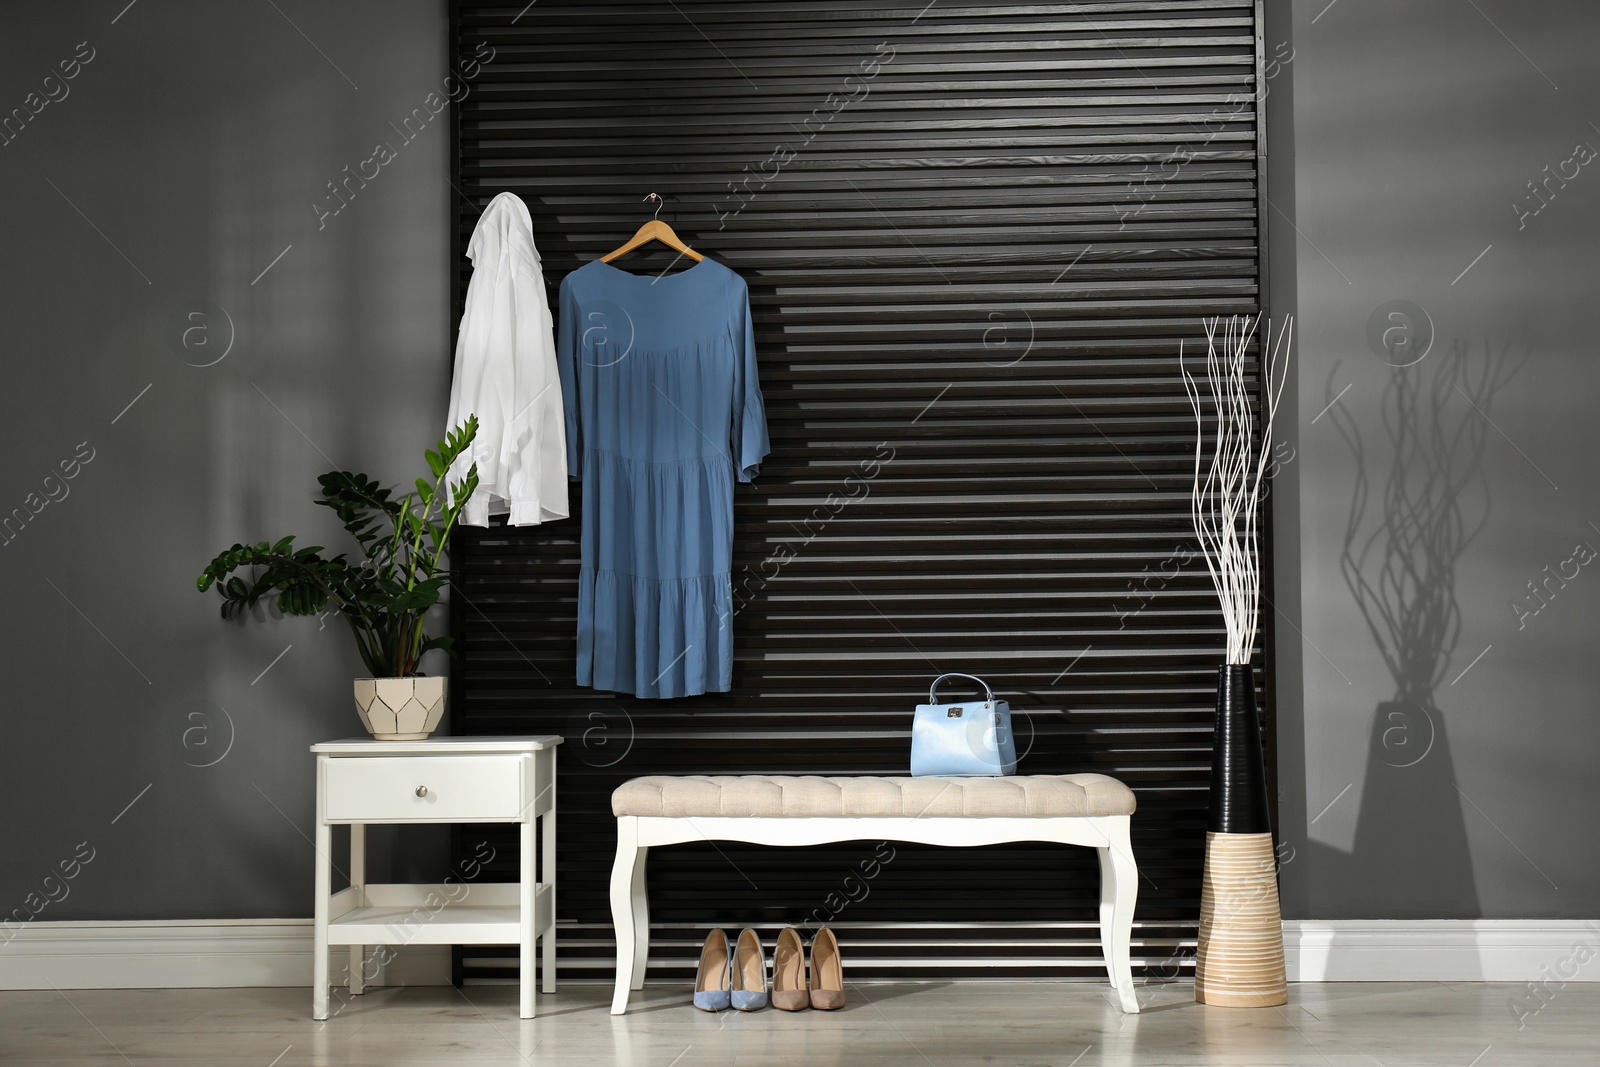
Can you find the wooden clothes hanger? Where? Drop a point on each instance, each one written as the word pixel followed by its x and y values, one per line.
pixel 654 230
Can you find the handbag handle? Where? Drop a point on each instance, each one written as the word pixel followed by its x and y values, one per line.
pixel 933 689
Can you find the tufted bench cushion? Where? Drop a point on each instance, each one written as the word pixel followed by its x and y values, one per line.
pixel 1038 796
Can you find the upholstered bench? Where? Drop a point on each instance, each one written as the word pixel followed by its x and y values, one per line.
pixel 1070 809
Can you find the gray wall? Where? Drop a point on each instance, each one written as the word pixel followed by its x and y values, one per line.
pixel 182 160
pixel 1400 137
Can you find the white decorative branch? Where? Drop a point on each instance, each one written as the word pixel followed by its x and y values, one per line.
pixel 1227 499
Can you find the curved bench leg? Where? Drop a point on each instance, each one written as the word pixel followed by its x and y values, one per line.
pixel 623 883
pixel 1119 891
pixel 641 918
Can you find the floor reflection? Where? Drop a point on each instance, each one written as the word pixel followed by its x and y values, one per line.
pixel 942 1024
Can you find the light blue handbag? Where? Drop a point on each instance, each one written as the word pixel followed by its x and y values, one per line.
pixel 969 739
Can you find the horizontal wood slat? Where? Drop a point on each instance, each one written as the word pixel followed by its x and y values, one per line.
pixel 974 238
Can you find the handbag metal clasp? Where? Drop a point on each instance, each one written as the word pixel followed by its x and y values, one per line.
pixel 954 713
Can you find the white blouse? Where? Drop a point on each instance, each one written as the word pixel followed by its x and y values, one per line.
pixel 505 373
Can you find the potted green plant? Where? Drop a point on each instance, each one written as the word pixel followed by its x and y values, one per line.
pixel 383 595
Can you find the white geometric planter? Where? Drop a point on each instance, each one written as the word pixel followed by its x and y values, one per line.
pixel 400 709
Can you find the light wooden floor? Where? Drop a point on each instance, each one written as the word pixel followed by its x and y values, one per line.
pixel 933 1025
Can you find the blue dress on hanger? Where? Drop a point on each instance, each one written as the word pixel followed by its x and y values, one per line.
pixel 664 413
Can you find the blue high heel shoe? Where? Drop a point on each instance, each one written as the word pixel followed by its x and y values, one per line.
pixel 713 983
pixel 749 973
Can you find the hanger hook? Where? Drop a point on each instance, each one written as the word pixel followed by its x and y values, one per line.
pixel 659 201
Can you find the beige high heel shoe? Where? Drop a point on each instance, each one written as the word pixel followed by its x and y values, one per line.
pixel 827 972
pixel 789 992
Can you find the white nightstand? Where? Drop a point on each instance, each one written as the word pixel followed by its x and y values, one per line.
pixel 440 780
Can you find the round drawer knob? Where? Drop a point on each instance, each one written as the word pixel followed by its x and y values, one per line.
pixel 422 790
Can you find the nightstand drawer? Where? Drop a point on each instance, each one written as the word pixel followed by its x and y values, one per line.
pixel 424 788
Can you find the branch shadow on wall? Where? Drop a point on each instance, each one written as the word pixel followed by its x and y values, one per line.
pixel 1410 853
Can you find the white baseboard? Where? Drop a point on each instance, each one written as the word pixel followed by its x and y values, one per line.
pixel 184 954
pixel 277 952
pixel 1442 950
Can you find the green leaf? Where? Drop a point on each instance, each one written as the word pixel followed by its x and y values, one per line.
pixel 417 599
pixel 391 582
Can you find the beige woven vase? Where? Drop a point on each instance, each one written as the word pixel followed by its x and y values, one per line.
pixel 1240 964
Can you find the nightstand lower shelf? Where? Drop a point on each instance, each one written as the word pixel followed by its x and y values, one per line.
pixel 484 913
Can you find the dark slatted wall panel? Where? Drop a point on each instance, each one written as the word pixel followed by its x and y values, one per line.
pixel 973 235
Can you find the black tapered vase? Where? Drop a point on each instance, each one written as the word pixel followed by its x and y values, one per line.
pixel 1238 772
pixel 1239 961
